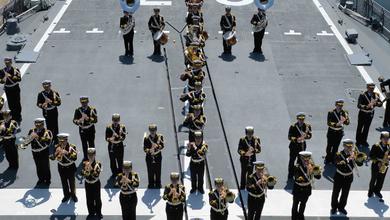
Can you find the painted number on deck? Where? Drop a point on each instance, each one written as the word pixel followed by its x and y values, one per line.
pixel 158 3
pixel 235 2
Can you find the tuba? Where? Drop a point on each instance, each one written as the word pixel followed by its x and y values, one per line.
pixel 130 6
pixel 264 4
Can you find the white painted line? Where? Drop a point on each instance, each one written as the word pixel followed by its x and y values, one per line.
pixel 156 3
pixel 61 31
pixel 220 32
pixel 325 33
pixel 95 31
pixel 292 32
pixel 43 39
pixel 278 203
pixel 167 32
pixel 345 45
pixel 266 33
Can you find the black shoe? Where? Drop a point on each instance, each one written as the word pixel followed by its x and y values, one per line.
pixel 99 216
pixel 47 182
pixel 40 182
pixel 74 198
pixel 333 211
pixel 158 186
pixel 201 191
pixel 381 200
pixel 343 211
pixel 370 194
pixel 379 195
pixel 65 199
pixel 242 187
pixel 150 186
pixel 192 190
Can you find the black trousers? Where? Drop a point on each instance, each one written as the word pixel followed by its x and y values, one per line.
pixel 128 40
pixel 94 202
pixel 343 184
pixel 11 153
pixel 295 148
pixel 377 179
pixel 258 40
pixel 67 175
pixel 128 206
pixel 334 139
pixel 156 45
pixel 218 215
pixel 13 98
pixel 255 207
pixel 115 152
pixel 364 122
pixel 153 166
pixel 42 165
pixel 197 174
pixel 174 212
pixel 226 48
pixel 300 197
pixel 87 139
pixel 51 117
pixel 246 169
pixel 386 120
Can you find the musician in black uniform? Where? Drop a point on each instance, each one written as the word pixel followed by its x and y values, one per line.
pixel 218 200
pixel 194 121
pixel 257 184
pixel 195 97
pixel 85 117
pixel 379 155
pixel 175 195
pixel 41 139
pixel 194 16
pixel 127 24
pixel 10 76
pixel 48 100
pixel 8 128
pixel 192 74
pixel 259 20
pixel 366 103
pixel 297 135
pixel 197 151
pixel 128 181
pixel 342 180
pixel 153 145
pixel 248 147
pixel 383 84
pixel 304 172
pixel 156 23
pixel 115 135
pixel 227 23
pixel 66 155
pixel 337 118
pixel 91 171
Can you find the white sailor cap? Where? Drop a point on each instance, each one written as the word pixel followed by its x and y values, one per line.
pixel 249 129
pixel 259 164
pixel 301 115
pixel 39 120
pixel 46 82
pixel 347 142
pixel 91 150
pixel 84 98
pixel 305 154
pixel 384 134
pixel 127 164
pixel 63 135
pixel 339 102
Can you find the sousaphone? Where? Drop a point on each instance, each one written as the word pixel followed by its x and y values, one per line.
pixel 264 4
pixel 130 6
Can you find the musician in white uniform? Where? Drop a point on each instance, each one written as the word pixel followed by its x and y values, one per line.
pixel 127 24
pixel 156 23
pixel 259 22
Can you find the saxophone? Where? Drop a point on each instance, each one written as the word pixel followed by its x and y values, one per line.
pixel 384 163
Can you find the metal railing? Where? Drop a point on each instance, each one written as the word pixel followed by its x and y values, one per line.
pixel 376 13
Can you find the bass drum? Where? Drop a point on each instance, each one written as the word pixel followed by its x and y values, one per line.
pixel 161 37
pixel 230 38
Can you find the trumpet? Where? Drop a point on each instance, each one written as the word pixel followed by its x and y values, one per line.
pixel 268 180
pixel 226 194
pixel 25 141
pixel 59 153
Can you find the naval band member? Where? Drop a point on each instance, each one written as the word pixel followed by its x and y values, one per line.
pixel 337 119
pixel 10 76
pixel 227 23
pixel 115 135
pixel 49 100
pixel 304 172
pixel 383 84
pixel 127 24
pixel 259 22
pixel 366 104
pixel 128 181
pixel 379 155
pixel 195 97
pixel 297 135
pixel 197 151
pixel 85 117
pixel 343 178
pixel 194 121
pixel 153 145
pixel 8 129
pixel 66 155
pixel 40 139
pixel 248 147
pixel 91 171
pixel 156 23
pixel 175 195
pixel 192 75
pixel 218 200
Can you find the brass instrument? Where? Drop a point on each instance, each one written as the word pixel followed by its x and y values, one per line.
pixel 202 151
pixel 264 4
pixel 226 194
pixel 268 181
pixel 83 117
pixel 359 157
pixel 59 154
pixel 314 169
pixel 175 195
pixel 25 141
pixel 384 163
pixel 195 56
pixel 87 168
